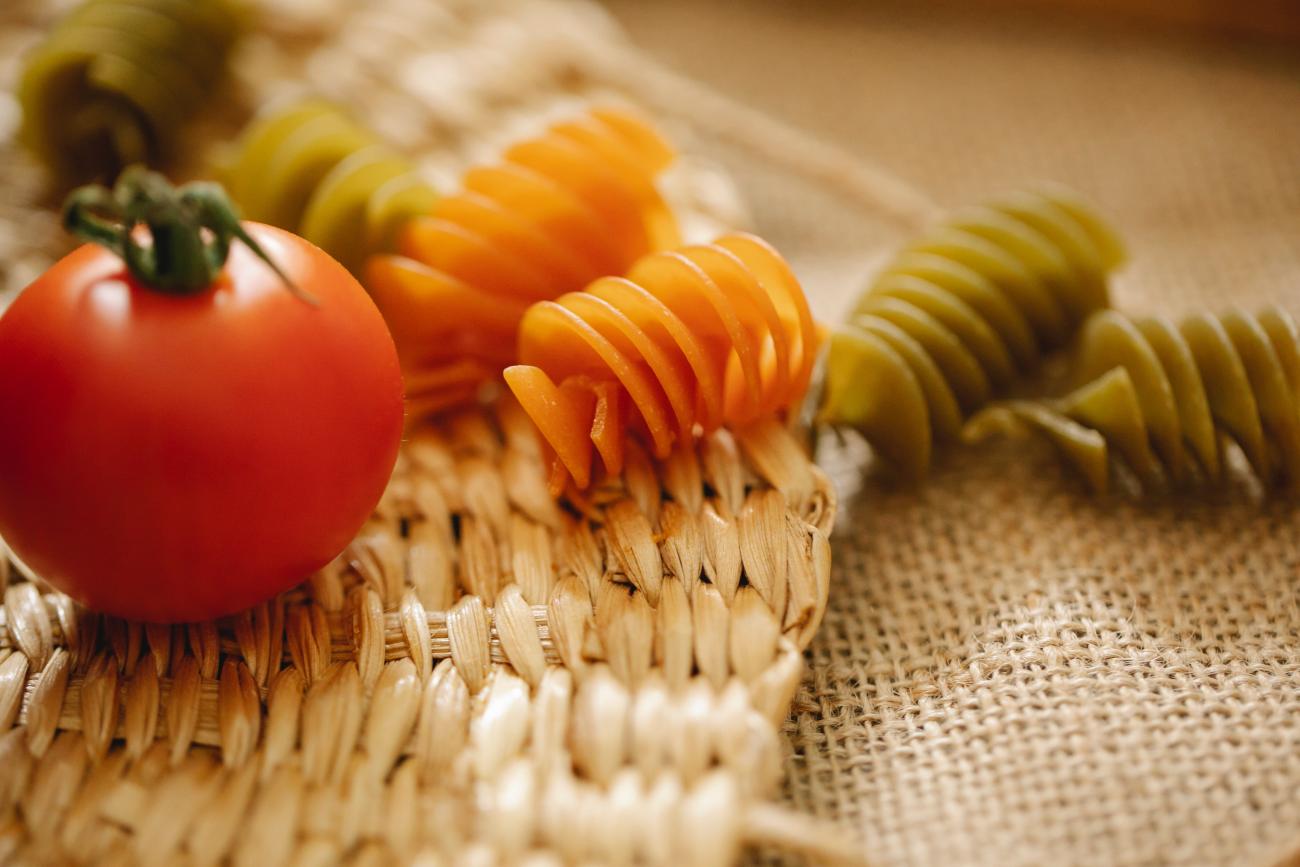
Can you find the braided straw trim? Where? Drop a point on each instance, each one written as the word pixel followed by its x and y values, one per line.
pixel 632 669
pixel 484 677
pixel 58 694
pixel 536 567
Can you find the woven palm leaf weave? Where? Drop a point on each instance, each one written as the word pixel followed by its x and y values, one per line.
pixel 485 676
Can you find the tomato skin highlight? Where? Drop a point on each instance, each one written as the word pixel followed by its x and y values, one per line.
pixel 176 458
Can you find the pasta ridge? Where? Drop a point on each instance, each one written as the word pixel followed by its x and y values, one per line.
pixel 961 313
pixel 560 210
pixel 687 341
pixel 115 81
pixel 312 169
pixel 1163 398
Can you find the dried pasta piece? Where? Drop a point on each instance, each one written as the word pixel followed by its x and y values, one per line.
pixel 688 341
pixel 942 410
pixel 880 394
pixel 1163 397
pixel 1113 406
pixel 1082 446
pixel 1111 340
pixel 1278 409
pixel 960 367
pixel 1227 385
pixel 116 80
pixel 562 209
pixel 774 272
pixel 1194 418
pixel 312 169
pixel 970 308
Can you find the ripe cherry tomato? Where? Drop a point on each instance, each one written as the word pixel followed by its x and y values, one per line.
pixel 172 456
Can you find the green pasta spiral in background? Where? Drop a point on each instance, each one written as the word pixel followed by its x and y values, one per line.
pixel 116 80
pixel 1163 398
pixel 311 169
pixel 961 313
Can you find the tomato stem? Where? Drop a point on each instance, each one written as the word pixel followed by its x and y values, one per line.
pixel 190 230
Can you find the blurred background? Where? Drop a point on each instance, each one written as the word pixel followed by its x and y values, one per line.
pixel 1181 118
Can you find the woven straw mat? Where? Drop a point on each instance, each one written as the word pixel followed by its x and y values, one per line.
pixel 483 677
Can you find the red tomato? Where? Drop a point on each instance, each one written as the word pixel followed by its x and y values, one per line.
pixel 178 457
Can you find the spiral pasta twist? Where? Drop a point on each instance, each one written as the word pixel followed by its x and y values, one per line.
pixel 311 169
pixel 960 313
pixel 116 79
pixel 577 202
pixel 688 341
pixel 1163 396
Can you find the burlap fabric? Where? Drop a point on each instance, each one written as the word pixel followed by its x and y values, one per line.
pixel 1012 672
pixel 480 678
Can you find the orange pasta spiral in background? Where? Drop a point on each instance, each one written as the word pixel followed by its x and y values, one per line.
pixel 560 210
pixel 688 341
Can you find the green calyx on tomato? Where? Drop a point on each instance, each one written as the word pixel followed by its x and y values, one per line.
pixel 190 229
pixel 181 441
